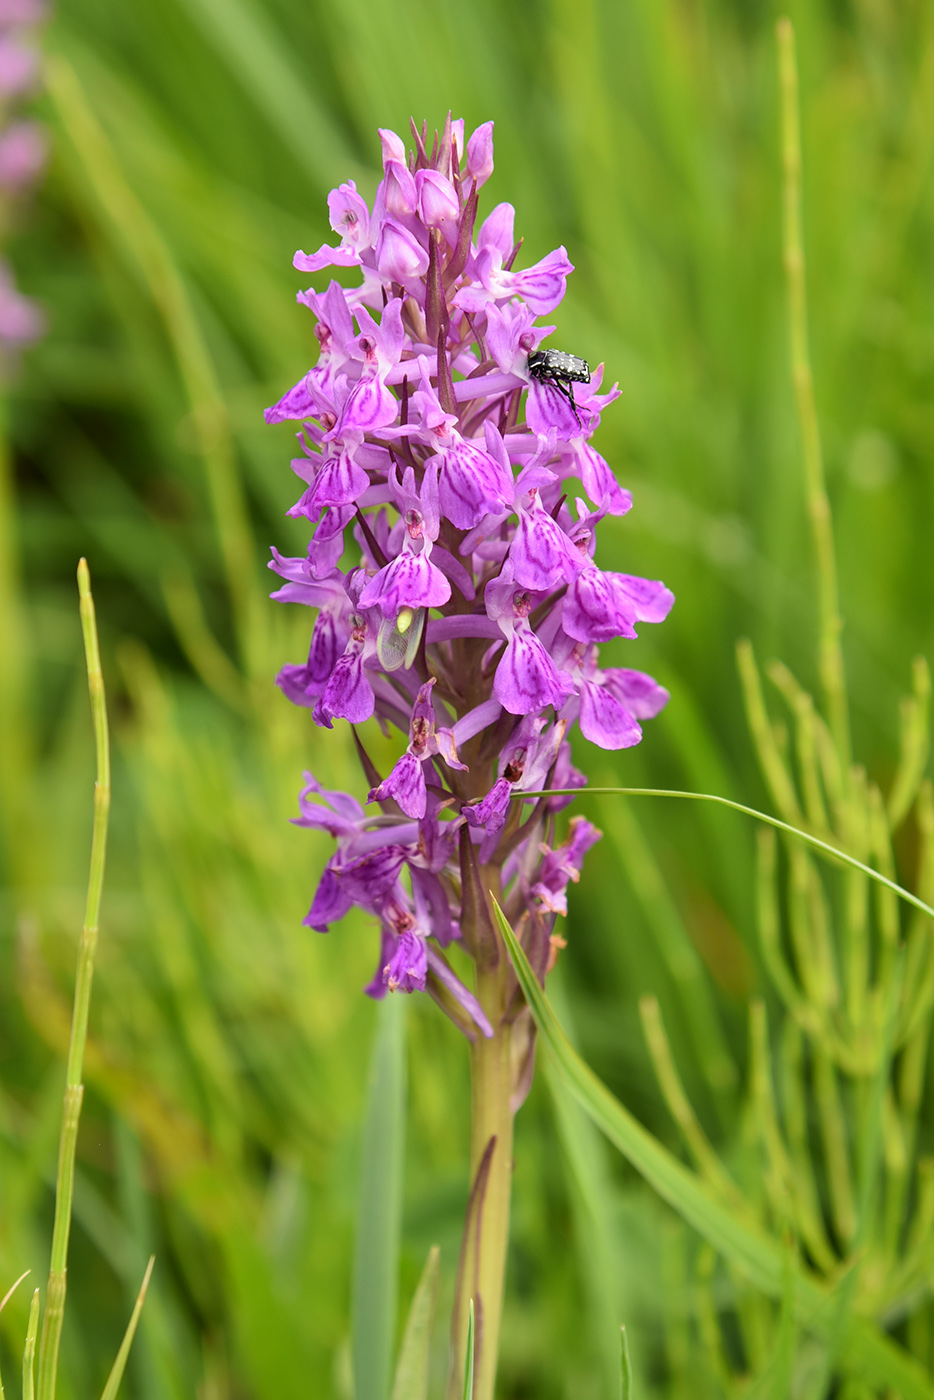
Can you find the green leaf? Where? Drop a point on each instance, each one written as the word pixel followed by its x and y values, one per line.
pixel 376 1261
pixel 119 1366
pixel 469 1357
pixel 733 1232
pixel 29 1350
pixel 3 1302
pixel 411 1381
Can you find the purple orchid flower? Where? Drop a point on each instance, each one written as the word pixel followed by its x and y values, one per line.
pixel 465 607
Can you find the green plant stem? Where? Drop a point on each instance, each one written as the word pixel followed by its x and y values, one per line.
pixel 74 1089
pixel 482 1269
pixel 830 654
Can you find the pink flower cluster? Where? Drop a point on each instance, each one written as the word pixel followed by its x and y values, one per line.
pixel 23 153
pixel 452 565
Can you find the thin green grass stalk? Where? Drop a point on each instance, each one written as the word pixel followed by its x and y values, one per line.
pixel 911 1075
pixel 29 1349
pixel 777 1176
pixel 833 852
pixel 770 940
pixel 919 972
pixel 786 1344
pixel 148 253
pixel 918 1329
pixel 469 1354
pixel 804 1183
pixel 3 1302
pixel 920 1233
pixel 914 744
pixel 871 1121
pixel 625 1370
pixel 116 1373
pixel 886 906
pixel 806 722
pixel 673 1250
pixel 708 1323
pixel 809 935
pixel 775 769
pixel 830 653
pixel 832 1120
pixel 855 953
pixel 74 1089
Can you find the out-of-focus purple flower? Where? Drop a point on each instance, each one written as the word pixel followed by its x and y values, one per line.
pixel 469 616
pixel 22 13
pixel 22 321
pixel 563 865
pixel 23 152
pixel 19 66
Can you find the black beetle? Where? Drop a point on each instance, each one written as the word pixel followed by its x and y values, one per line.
pixel 561 371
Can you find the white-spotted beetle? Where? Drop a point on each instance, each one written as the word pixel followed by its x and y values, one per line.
pixel 561 371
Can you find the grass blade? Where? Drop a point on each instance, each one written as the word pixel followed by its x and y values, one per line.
pixel 119 1366
pixel 376 1263
pixel 6 1298
pixel 3 1302
pixel 74 1089
pixel 411 1382
pixel 833 851
pixel 29 1350
pixel 733 1232
pixel 469 1357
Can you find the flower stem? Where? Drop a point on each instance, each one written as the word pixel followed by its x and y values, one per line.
pixel 482 1268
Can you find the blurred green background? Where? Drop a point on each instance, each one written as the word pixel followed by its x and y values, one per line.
pixel 194 144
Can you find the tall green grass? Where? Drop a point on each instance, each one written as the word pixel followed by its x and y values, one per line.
pixel 228 1050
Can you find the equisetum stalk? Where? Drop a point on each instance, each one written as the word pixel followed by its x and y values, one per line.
pixel 830 654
